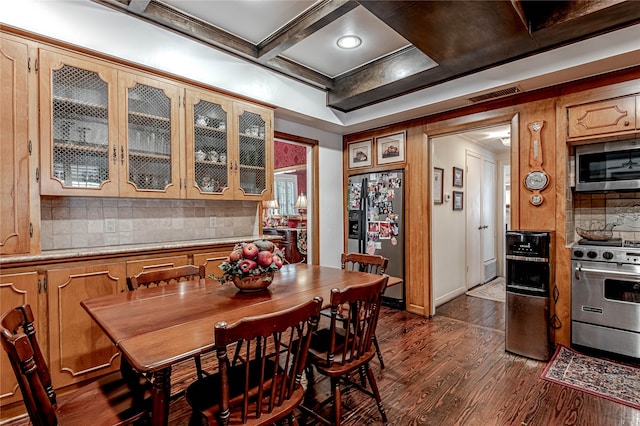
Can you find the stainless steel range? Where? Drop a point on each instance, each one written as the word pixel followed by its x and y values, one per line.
pixel 605 296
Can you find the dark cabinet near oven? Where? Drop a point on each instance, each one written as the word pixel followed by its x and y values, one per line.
pixel 529 276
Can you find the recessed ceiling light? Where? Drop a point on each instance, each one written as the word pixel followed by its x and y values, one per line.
pixel 349 42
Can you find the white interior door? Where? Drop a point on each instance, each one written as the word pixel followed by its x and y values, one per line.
pixel 488 215
pixel 473 208
pixel 480 218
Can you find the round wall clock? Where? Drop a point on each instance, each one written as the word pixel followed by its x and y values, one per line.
pixel 536 180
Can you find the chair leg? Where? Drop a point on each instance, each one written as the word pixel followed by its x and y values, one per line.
pixel 198 366
pixel 375 343
pixel 376 392
pixel 337 401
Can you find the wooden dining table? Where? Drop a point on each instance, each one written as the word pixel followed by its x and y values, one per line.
pixel 158 327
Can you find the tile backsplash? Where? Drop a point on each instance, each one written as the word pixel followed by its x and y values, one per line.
pixel 77 222
pixel 595 211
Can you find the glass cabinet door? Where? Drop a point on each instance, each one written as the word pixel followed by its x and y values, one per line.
pixel 208 146
pixel 150 159
pixel 77 126
pixel 253 157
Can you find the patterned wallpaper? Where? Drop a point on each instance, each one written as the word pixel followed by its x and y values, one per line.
pixel 287 155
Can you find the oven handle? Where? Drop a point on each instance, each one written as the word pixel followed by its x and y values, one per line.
pixel 579 269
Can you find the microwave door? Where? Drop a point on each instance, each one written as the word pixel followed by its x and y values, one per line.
pixel 608 169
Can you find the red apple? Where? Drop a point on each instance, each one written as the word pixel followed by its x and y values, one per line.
pixel 247 265
pixel 277 260
pixel 250 251
pixel 265 258
pixel 235 255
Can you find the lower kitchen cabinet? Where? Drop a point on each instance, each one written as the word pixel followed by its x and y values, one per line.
pixel 16 290
pixel 211 261
pixel 78 349
pixel 134 267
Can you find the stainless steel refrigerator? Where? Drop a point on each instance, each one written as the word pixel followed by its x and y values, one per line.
pixel 376 224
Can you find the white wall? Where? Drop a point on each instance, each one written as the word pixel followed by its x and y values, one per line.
pixel 330 183
pixel 449 227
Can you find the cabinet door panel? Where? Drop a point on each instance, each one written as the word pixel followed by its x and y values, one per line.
pixel 149 137
pixel 79 349
pixel 597 118
pixel 211 261
pixel 16 290
pixel 14 143
pixel 207 146
pixel 78 132
pixel 253 166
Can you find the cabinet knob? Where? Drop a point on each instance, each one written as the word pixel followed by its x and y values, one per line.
pixel 626 123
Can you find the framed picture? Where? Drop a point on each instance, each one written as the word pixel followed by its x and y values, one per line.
pixel 457 200
pixel 360 154
pixel 438 175
pixel 457 177
pixel 391 148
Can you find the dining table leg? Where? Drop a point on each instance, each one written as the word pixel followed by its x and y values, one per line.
pixel 160 395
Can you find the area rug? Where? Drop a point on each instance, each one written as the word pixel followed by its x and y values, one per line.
pixel 607 379
pixel 493 290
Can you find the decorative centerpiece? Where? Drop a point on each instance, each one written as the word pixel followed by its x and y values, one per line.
pixel 250 266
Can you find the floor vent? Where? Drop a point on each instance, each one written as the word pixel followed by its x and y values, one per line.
pixel 496 94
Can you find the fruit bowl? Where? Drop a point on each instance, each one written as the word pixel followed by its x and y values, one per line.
pixel 251 266
pixel 253 282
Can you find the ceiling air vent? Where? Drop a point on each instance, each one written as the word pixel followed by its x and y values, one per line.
pixel 496 94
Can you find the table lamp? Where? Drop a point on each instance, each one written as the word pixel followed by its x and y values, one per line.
pixel 301 205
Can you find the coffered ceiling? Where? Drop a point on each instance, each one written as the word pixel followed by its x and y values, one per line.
pixel 406 45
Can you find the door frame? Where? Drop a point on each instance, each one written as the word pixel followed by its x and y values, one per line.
pixel 455 126
pixel 313 189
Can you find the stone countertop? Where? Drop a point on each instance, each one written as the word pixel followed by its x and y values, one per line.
pixel 88 252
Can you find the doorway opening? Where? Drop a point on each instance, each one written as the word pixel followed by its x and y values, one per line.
pixel 469 209
pixel 293 211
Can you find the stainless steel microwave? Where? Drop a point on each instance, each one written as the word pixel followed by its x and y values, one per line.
pixel 608 166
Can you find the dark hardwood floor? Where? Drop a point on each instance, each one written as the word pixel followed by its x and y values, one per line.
pixel 452 369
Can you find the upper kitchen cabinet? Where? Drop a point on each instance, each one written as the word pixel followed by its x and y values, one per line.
pixel 15 146
pixel 113 131
pixel 252 173
pixel 208 153
pixel 94 145
pixel 149 137
pixel 229 148
pixel 617 116
pixel 78 126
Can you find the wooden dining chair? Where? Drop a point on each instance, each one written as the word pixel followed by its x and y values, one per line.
pixel 108 401
pixel 373 264
pixel 338 352
pixel 263 386
pixel 168 276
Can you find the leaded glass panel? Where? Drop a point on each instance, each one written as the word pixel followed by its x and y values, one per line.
pixel 210 147
pixel 252 153
pixel 149 137
pixel 80 127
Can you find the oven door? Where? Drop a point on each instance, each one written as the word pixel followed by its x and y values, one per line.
pixel 606 295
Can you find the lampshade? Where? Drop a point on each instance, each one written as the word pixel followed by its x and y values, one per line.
pixel 301 202
pixel 273 204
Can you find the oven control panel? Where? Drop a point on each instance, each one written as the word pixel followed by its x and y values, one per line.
pixel 626 255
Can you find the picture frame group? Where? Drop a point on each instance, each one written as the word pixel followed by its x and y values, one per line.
pixel 388 149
